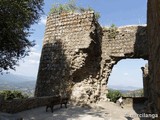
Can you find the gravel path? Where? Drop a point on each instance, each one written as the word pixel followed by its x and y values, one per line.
pixel 101 111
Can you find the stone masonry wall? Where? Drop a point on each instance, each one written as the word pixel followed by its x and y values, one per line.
pixel 128 42
pixel 153 30
pixel 146 85
pixel 78 56
pixel 18 105
pixel 71 52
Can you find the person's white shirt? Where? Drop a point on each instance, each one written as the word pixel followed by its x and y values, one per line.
pixel 120 100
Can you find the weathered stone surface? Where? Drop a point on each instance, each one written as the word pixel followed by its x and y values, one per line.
pixel 129 42
pixel 1 100
pixel 146 85
pixel 153 30
pixel 78 56
pixel 5 116
pixel 18 105
pixel 71 52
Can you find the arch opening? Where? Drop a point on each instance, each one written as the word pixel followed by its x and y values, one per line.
pixel 127 76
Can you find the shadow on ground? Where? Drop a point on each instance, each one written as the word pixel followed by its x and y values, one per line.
pixel 70 113
pixel 139 107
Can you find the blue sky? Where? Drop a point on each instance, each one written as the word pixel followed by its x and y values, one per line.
pixel 127 72
pixel 118 12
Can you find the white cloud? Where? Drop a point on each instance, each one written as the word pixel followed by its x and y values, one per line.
pixel 115 68
pixel 126 74
pixel 33 61
pixel 43 20
pixel 35 54
pixel 29 65
pixel 35 48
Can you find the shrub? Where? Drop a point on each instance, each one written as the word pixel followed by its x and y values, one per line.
pixel 10 95
pixel 112 31
pixel 71 7
pixel 97 14
pixel 114 95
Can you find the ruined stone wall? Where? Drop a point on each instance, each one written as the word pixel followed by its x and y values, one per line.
pixel 79 55
pixel 127 42
pixel 153 29
pixel 19 105
pixel 146 85
pixel 71 52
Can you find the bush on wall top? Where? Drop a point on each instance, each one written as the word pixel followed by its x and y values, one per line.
pixel 71 7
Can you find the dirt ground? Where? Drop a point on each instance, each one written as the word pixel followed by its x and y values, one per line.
pixel 100 111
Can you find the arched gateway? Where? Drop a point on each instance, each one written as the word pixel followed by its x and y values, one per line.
pixel 78 55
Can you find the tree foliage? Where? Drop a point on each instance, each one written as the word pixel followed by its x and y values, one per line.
pixel 10 95
pixel 114 95
pixel 71 7
pixel 16 18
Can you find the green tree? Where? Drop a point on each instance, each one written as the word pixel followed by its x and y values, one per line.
pixel 10 95
pixel 16 18
pixel 113 95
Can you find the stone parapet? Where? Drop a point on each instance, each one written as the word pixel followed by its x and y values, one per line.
pixel 18 105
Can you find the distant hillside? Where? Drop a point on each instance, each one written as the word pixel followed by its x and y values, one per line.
pixel 27 85
pixel 135 93
pixel 16 78
pixel 18 82
pixel 123 88
pixel 128 91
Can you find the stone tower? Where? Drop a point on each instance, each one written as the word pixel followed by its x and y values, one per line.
pixel 78 55
pixel 71 51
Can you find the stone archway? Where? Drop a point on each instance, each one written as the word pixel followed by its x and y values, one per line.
pixel 85 55
pixel 128 74
pixel 130 42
